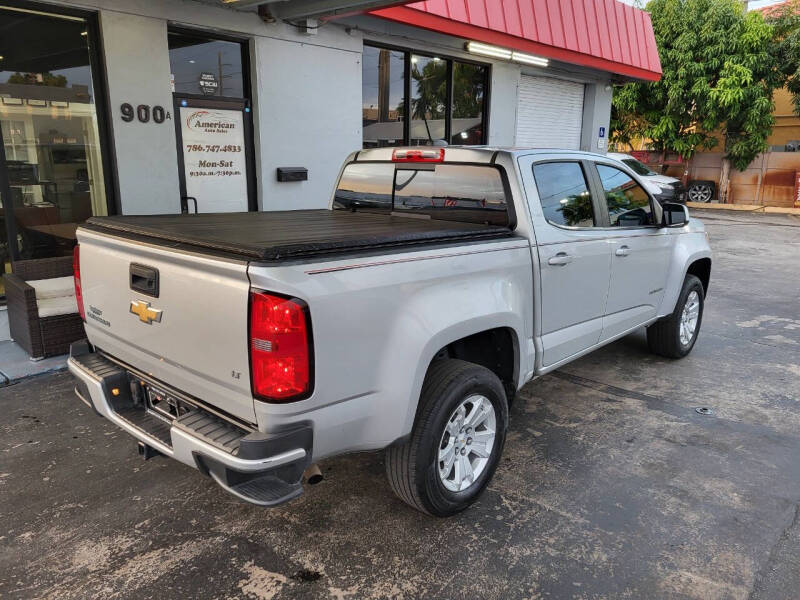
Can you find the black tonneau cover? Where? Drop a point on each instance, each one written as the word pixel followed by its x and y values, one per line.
pixel 294 234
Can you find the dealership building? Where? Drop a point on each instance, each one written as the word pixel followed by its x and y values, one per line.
pixel 158 106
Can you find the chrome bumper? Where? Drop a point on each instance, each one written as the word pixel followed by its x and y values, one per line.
pixel 227 469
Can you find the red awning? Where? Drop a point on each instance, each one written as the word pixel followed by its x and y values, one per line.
pixel 601 34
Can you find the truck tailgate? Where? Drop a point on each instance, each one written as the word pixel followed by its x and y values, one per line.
pixel 197 343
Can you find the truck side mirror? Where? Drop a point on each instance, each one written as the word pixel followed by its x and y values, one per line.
pixel 674 215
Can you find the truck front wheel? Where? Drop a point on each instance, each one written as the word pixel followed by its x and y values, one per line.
pixel 456 442
pixel 674 336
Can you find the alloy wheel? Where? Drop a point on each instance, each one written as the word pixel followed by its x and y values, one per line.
pixel 700 193
pixel 689 318
pixel 467 443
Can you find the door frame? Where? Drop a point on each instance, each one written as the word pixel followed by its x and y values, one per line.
pixel 221 103
pixel 225 103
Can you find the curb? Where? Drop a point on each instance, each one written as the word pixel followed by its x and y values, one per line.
pixel 753 208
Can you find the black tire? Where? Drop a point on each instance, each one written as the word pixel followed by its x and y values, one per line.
pixel 413 466
pixel 664 336
pixel 706 189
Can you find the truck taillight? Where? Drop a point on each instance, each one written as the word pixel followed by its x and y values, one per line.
pixel 280 348
pixel 432 155
pixel 76 270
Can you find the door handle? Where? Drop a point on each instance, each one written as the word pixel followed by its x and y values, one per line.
pixel 561 259
pixel 622 251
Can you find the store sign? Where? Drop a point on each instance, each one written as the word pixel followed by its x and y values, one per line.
pixel 214 158
pixel 208 83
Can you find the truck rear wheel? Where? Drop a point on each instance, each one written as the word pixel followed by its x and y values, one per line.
pixel 674 336
pixel 456 442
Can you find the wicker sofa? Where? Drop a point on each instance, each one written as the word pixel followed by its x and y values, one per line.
pixel 45 325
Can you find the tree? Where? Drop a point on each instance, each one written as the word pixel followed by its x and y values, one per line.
pixel 47 79
pixel 431 92
pixel 720 68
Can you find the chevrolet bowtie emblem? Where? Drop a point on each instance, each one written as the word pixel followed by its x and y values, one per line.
pixel 146 314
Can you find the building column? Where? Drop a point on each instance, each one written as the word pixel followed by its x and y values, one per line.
pixel 137 62
pixel 596 116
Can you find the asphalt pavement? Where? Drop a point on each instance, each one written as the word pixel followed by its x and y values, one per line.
pixel 612 484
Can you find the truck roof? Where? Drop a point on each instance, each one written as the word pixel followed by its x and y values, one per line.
pixel 471 154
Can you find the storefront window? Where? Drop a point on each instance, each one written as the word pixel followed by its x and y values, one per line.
pixel 382 91
pixel 431 81
pixel 51 155
pixel 206 67
pixel 428 100
pixel 469 90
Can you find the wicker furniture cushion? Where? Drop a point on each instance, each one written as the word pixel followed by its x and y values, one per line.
pixel 53 307
pixel 53 288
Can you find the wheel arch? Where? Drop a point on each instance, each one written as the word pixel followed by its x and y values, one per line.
pixel 701 268
pixel 497 349
pixel 463 340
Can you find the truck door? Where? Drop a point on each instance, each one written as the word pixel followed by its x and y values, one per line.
pixel 573 255
pixel 640 252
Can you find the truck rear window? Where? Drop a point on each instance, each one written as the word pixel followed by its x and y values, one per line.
pixel 449 192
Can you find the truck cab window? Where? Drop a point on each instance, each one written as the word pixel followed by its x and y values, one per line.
pixel 365 186
pixel 564 194
pixel 465 193
pixel 628 202
pixel 446 192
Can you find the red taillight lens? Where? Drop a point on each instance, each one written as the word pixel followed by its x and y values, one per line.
pixel 76 270
pixel 280 347
pixel 433 155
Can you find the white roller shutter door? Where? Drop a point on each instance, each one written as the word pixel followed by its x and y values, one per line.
pixel 549 113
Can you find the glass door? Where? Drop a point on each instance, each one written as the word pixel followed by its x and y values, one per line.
pixel 51 166
pixel 213 122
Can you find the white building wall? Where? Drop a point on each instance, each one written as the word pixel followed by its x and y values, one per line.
pixel 308 115
pixel 503 91
pixel 138 73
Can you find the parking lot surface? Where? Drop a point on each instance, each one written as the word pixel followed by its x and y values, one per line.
pixel 612 484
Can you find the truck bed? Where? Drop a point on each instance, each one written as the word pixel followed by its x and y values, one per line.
pixel 295 234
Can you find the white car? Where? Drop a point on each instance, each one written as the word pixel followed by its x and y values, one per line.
pixel 663 187
pixel 403 317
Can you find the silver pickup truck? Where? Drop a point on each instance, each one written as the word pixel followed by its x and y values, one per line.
pixel 404 317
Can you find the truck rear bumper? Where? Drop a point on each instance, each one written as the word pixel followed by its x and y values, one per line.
pixel 260 468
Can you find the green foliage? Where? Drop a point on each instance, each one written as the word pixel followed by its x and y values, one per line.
pixel 47 79
pixel 720 67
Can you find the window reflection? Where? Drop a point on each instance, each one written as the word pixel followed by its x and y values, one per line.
pixel 628 202
pixel 366 185
pixel 431 80
pixel 207 67
pixel 428 100
pixel 564 194
pixel 382 89
pixel 469 89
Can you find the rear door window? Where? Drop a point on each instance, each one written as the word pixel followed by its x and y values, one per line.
pixel 447 192
pixel 564 194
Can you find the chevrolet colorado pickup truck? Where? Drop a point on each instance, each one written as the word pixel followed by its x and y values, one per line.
pixel 404 317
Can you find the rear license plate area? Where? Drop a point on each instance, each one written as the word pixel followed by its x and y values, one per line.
pixel 162 404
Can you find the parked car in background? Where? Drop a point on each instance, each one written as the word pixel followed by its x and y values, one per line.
pixel 663 187
pixel 405 317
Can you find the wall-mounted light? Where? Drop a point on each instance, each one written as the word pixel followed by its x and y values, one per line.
pixel 84 33
pixel 529 59
pixel 486 50
pixel 506 54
